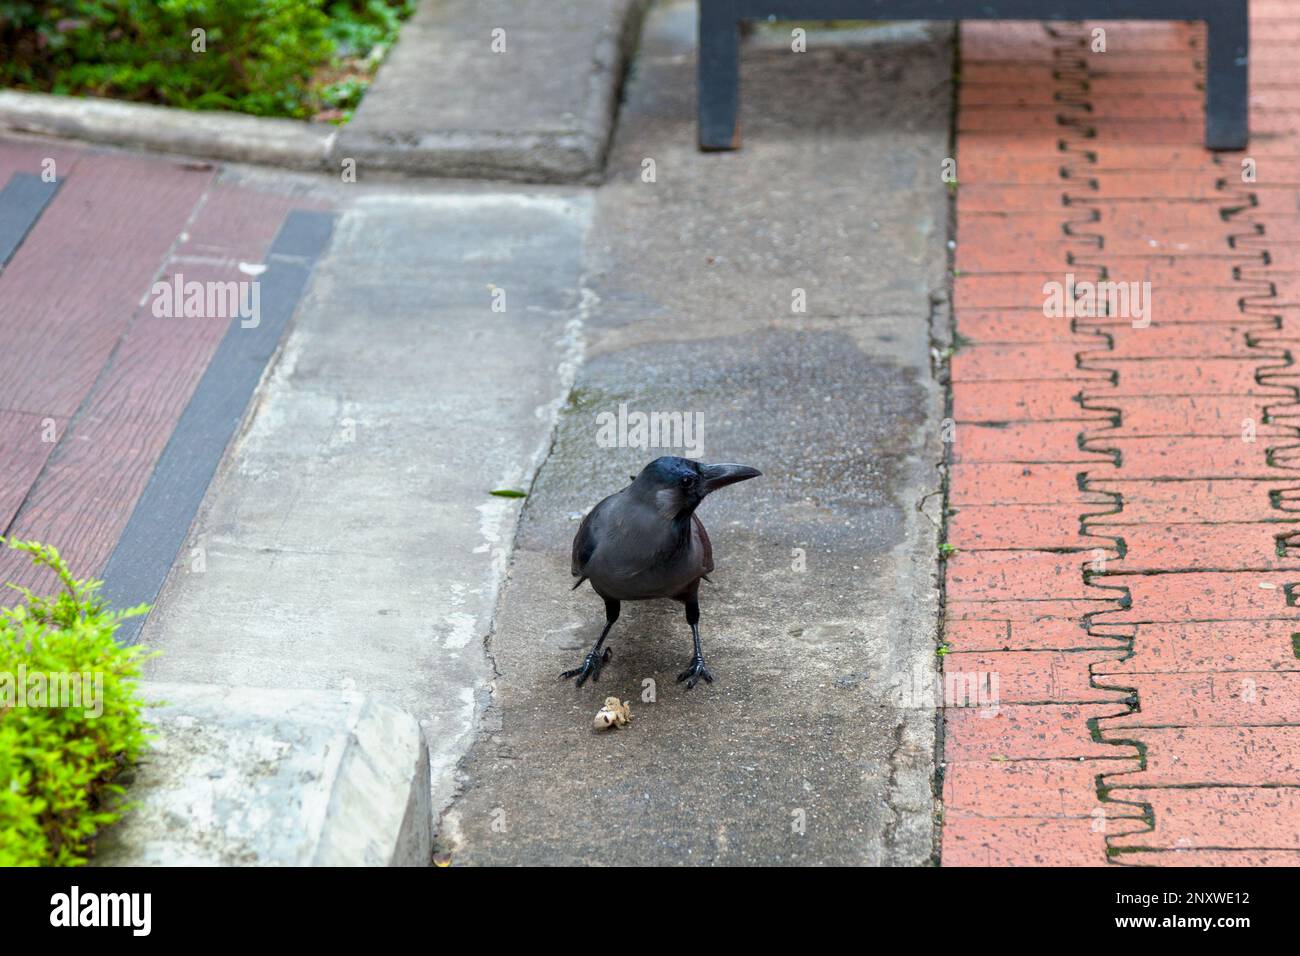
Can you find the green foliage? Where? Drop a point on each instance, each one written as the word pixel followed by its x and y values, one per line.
pixel 358 26
pixel 254 56
pixel 58 763
pixel 343 95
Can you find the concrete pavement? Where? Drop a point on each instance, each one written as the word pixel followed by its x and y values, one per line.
pixel 498 89
pixel 1116 593
pixel 243 776
pixel 350 540
pixel 825 596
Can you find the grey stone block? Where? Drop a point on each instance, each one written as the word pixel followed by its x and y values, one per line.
pixel 446 104
pixel 226 136
pixel 243 776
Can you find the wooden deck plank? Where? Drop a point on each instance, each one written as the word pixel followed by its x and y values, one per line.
pixel 95 477
pixel 29 156
pixel 24 449
pixel 69 292
pixel 160 525
pixel 235 224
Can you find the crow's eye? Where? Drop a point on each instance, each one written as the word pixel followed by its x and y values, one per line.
pixel 688 482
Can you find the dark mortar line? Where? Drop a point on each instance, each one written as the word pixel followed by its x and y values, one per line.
pixel 1197 524
pixel 1169 479
pixel 1209 786
pixel 1007 422
pixel 1292 483
pixel 1063 650
pixel 1201 620
pixel 1126 644
pixel 1234 434
pixel 1128 850
pixel 1041 550
pixel 160 522
pixel 1150 360
pixel 1154 572
pixel 1203 726
pixel 1036 650
pixel 1039 816
pixel 1252 342
pixel 1071 758
pixel 1175 357
pixel 1045 504
pixel 1234 670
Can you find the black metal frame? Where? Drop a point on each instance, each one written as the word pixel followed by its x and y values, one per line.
pixel 1226 95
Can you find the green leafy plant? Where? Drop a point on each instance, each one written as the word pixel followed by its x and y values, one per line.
pixel 358 26
pixel 61 749
pixel 255 56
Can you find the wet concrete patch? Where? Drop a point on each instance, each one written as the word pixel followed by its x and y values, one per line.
pixel 824 598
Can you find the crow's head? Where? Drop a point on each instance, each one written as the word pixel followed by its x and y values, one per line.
pixel 677 485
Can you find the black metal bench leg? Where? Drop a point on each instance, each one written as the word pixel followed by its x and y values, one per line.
pixel 719 75
pixel 1227 93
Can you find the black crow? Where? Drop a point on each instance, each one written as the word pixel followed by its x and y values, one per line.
pixel 647 542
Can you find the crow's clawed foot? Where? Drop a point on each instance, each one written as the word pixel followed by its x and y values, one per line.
pixel 591 666
pixel 693 673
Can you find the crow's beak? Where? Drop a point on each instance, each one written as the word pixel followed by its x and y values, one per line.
pixel 719 476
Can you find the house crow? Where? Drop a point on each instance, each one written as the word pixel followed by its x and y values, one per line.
pixel 647 542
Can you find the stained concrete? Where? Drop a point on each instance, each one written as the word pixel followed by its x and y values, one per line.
pixel 350 542
pixel 251 776
pixel 497 89
pixel 350 539
pixel 824 599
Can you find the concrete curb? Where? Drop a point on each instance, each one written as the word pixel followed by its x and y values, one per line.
pixel 224 136
pixel 441 104
pixel 515 157
pixel 242 776
pixel 510 119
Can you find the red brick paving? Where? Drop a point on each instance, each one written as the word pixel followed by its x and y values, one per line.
pixel 1124 498
pixel 85 358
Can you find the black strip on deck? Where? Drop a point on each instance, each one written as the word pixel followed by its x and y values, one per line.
pixel 160 523
pixel 22 201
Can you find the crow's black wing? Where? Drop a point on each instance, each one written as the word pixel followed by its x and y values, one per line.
pixel 584 543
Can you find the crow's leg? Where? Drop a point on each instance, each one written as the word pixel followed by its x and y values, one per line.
pixel 697 669
pixel 594 661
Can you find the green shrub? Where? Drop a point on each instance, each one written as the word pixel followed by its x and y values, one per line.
pixel 357 26
pixel 58 763
pixel 257 56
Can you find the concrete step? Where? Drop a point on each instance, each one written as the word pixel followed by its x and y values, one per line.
pixel 255 776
